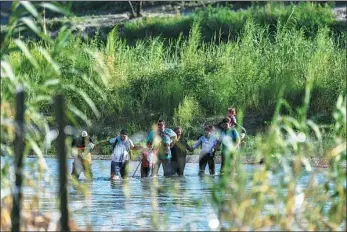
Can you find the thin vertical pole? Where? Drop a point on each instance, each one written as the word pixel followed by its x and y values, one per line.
pixel 61 151
pixel 19 150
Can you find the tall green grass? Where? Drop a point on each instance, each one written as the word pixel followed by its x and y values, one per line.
pixel 139 84
pixel 226 23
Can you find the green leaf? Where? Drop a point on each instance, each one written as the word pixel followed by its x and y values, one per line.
pixel 31 24
pixel 51 82
pixel 30 7
pixel 95 87
pixel 40 98
pixel 315 128
pixel 34 146
pixel 6 71
pixel 48 57
pixel 86 98
pixel 63 36
pixel 56 8
pixel 26 52
pixel 79 113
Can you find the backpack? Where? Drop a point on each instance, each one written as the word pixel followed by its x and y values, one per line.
pixel 115 143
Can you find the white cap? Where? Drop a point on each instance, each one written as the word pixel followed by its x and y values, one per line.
pixel 84 134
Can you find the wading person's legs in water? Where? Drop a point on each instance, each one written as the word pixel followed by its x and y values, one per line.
pixel 202 164
pixel 146 163
pixel 174 167
pixel 181 163
pixel 81 165
pixel 87 169
pixel 166 167
pixel 178 166
pixel 145 171
pixel 207 159
pixel 115 169
pixel 211 165
pixel 77 167
pixel 156 167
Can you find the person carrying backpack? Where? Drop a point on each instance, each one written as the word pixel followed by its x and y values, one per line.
pixel 121 154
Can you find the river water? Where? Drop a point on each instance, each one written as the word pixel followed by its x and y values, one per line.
pixel 179 203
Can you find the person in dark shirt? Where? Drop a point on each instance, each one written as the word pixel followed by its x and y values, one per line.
pixel 179 153
pixel 82 148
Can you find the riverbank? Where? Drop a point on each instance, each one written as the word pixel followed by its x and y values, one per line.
pixel 102 22
pixel 316 162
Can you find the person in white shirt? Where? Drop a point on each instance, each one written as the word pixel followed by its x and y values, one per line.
pixel 121 154
pixel 208 143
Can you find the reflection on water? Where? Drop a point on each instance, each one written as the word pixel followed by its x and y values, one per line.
pixel 182 203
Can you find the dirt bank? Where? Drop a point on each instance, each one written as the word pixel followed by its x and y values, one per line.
pixel 104 22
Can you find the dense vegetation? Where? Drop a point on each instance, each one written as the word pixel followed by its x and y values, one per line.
pixel 226 24
pixel 187 81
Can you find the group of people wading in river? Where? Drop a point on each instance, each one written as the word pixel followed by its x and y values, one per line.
pixel 164 147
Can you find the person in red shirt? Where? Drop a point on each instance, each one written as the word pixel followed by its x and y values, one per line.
pixel 147 160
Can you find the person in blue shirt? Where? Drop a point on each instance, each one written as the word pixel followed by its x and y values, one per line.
pixel 208 144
